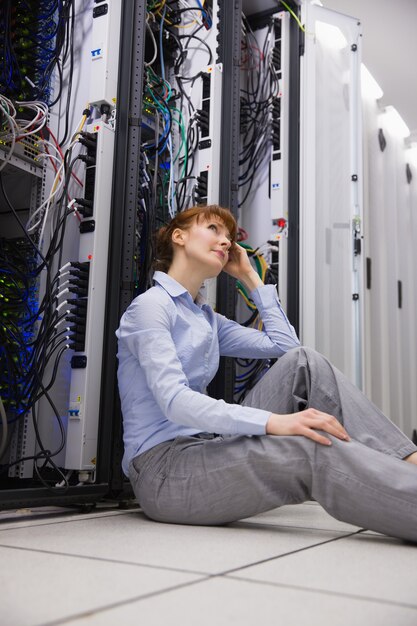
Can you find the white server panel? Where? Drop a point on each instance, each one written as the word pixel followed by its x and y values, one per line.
pixel 209 145
pixel 86 366
pixel 279 154
pixel 84 399
pixel 105 53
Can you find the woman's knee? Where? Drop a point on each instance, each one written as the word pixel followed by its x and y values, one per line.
pixel 302 353
pixel 299 361
pixel 297 355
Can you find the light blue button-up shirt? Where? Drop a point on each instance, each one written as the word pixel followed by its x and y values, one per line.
pixel 169 349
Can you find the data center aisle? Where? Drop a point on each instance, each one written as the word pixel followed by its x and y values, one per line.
pixel 294 566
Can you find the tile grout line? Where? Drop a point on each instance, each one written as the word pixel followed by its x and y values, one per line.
pixel 115 605
pixel 174 569
pixel 106 560
pixel 251 525
pixel 238 524
pixel 322 591
pixel 279 556
pixel 209 577
pixel 67 521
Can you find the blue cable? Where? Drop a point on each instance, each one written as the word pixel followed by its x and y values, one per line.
pixel 205 14
pixel 161 52
pixel 161 48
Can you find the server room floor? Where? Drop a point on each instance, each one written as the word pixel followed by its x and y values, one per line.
pixel 293 566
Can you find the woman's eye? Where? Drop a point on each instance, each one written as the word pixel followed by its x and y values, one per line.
pixel 213 226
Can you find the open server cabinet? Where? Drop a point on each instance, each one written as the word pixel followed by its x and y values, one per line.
pixel 118 187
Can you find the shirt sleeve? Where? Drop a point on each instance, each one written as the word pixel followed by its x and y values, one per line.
pixel 275 340
pixel 145 332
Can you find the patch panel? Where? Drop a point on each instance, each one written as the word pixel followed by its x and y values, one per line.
pixel 201 188
pixel 207 186
pixel 27 148
pixel 89 278
pixel 85 204
pixel 278 166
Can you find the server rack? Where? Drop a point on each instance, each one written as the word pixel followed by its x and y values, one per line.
pixel 222 386
pixel 106 479
pixel 109 480
pixel 296 47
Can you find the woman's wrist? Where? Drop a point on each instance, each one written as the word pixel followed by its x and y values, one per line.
pixel 251 280
pixel 270 426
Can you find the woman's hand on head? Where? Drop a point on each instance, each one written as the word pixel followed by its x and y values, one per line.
pixel 306 423
pixel 239 266
pixel 238 263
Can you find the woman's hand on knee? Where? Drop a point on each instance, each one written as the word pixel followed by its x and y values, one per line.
pixel 307 423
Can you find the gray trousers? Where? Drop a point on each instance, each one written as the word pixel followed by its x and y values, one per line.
pixel 219 479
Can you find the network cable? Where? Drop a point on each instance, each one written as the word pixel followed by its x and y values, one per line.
pixel 257 98
pixel 37 39
pixel 33 340
pixel 250 371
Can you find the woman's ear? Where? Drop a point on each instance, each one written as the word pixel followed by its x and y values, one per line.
pixel 178 237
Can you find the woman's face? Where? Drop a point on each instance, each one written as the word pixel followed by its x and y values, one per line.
pixel 207 242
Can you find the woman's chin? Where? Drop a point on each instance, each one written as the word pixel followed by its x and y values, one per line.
pixel 213 272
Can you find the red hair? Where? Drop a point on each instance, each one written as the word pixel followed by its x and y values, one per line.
pixel 184 221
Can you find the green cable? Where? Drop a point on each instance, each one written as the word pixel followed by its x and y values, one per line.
pixel 180 123
pixel 239 285
pixel 294 15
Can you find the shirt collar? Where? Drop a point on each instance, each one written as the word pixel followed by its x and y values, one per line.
pixel 174 288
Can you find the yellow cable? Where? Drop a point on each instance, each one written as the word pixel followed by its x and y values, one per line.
pixel 83 121
pixel 294 15
pixel 248 303
pixel 159 6
pixel 77 132
pixel 187 25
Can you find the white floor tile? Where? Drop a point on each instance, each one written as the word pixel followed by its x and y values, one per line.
pixel 134 539
pixel 37 588
pixel 371 566
pixel 223 602
pixel 307 515
pixel 35 517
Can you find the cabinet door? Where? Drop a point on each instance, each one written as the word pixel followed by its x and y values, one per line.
pixel 331 292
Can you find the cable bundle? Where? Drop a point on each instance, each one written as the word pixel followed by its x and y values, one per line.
pixel 18 307
pixel 41 333
pixel 252 370
pixel 256 102
pixel 168 109
pixel 170 123
pixel 145 227
pixel 38 46
pixel 21 124
pixel 37 39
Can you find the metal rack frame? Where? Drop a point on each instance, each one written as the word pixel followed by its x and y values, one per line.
pixel 110 481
